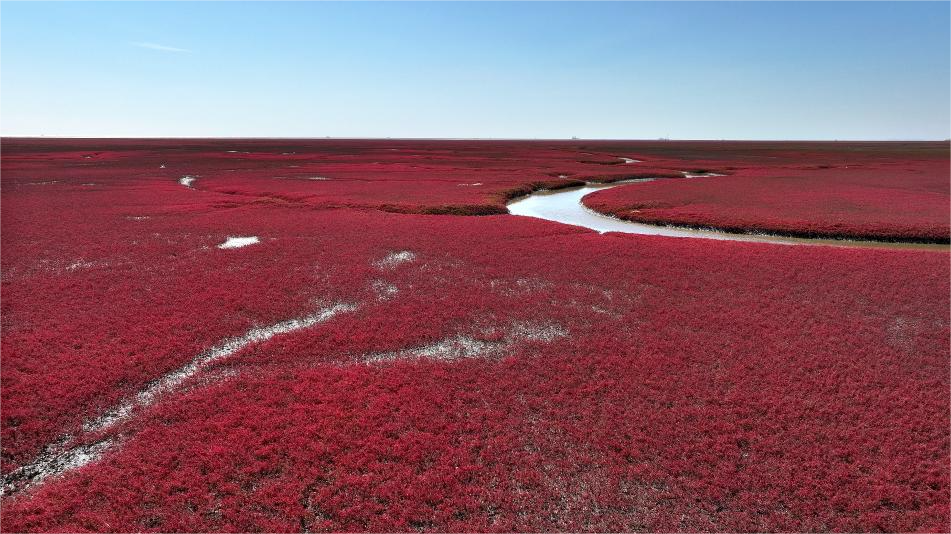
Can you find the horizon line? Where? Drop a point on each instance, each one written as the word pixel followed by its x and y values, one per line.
pixel 328 137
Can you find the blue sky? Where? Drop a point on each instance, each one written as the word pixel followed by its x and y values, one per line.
pixel 513 70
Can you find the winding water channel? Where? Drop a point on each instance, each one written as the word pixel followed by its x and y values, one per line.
pixel 564 206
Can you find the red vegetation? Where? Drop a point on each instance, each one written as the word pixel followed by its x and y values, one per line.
pixel 504 374
pixel 902 199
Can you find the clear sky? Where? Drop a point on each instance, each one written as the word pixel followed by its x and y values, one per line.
pixel 547 70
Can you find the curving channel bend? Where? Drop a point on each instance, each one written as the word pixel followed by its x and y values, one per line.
pixel 564 206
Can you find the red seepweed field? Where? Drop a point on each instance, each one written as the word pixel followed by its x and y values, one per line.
pixel 395 352
pixel 879 198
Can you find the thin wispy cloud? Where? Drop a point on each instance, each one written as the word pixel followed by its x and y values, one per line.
pixel 163 48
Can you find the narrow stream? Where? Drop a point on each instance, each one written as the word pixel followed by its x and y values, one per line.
pixel 564 206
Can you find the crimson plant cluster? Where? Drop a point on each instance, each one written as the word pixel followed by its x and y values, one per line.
pixel 487 372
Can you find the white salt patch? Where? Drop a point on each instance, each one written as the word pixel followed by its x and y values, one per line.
pixel 395 258
pixel 532 283
pixel 79 265
pixel 316 178
pixel 137 217
pixel 384 290
pixel 238 242
pixel 187 181
pixel 462 346
pixel 546 332
pixel 629 160
pixel 53 462
pixel 162 166
pixel 476 183
pixel 43 183
pixel 453 348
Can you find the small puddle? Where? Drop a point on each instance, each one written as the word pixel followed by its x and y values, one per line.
pixel 688 174
pixel 564 206
pixel 238 242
